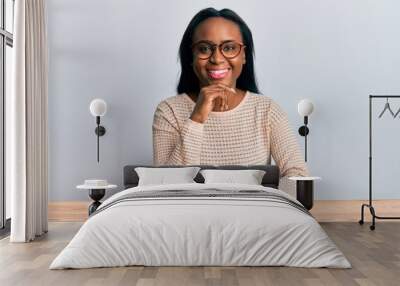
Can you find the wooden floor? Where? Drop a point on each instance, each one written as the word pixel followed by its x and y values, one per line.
pixel 375 257
pixel 323 211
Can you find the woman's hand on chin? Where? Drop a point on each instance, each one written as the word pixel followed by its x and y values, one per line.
pixel 213 97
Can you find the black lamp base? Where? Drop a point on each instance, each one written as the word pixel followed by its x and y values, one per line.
pixel 303 130
pixel 100 130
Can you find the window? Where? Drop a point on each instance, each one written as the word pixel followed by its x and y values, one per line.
pixel 6 44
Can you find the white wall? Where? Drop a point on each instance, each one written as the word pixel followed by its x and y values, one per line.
pixel 333 52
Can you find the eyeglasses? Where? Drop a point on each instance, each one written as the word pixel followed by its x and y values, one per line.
pixel 204 50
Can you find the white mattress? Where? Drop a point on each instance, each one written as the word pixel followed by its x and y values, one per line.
pixel 205 231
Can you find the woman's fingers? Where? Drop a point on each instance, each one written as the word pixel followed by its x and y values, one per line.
pixel 224 95
pixel 227 90
pixel 219 98
pixel 231 89
pixel 218 86
pixel 219 93
pixel 224 101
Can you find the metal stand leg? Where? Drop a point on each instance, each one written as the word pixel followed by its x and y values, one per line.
pixel 372 211
pixel 374 216
pixel 361 221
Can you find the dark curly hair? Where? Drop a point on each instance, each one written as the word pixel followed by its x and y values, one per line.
pixel 188 82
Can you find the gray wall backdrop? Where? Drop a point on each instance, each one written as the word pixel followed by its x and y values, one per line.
pixel 334 52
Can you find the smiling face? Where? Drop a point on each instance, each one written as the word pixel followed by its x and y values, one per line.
pixel 217 68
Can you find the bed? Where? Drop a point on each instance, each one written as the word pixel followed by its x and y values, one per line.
pixel 198 224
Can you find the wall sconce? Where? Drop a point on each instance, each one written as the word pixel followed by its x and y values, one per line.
pixel 98 107
pixel 305 108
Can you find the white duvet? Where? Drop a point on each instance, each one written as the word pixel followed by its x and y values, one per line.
pixel 200 231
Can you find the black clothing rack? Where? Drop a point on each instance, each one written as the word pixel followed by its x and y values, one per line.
pixel 369 205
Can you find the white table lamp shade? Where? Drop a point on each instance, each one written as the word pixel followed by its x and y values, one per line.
pixel 98 107
pixel 305 107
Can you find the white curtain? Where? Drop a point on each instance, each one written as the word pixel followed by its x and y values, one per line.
pixel 27 123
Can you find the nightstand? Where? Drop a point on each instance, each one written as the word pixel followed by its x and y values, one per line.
pixel 305 190
pixel 96 193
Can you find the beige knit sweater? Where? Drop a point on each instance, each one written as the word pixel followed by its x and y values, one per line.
pixel 248 134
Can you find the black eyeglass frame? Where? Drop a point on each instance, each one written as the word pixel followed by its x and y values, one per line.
pixel 214 46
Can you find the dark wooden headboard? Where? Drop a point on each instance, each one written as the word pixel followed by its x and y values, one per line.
pixel 270 179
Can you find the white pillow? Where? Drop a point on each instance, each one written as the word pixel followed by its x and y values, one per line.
pixel 162 176
pixel 249 177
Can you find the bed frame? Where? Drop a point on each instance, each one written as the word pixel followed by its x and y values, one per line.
pixel 270 179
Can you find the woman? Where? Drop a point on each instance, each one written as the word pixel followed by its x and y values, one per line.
pixel 218 116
